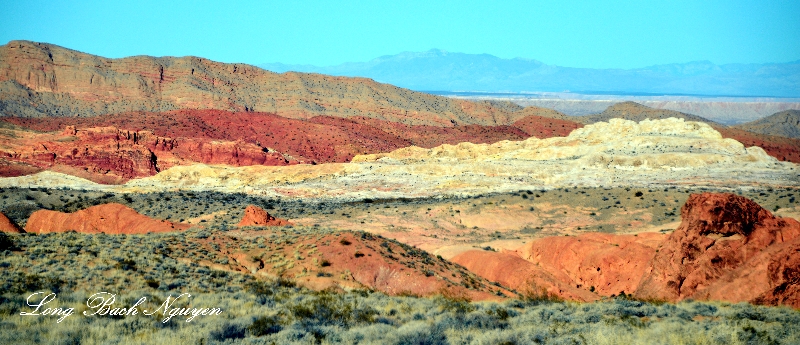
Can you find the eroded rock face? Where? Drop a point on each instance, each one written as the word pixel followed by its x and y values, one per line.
pixel 606 263
pixel 110 218
pixel 111 155
pixel 256 216
pixel 8 226
pixel 727 248
pixel 582 267
pixel 510 270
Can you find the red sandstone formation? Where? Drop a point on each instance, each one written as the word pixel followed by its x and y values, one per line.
pixel 321 139
pixel 571 267
pixel 512 271
pixel 256 216
pixel 7 226
pixel 111 155
pixel 115 148
pixel 107 218
pixel 609 263
pixel 727 248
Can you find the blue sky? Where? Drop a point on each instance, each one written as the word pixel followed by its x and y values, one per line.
pixel 595 34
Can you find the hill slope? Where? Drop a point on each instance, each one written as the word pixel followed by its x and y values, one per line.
pixel 784 124
pixel 41 80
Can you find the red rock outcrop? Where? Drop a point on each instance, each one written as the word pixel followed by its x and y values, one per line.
pixel 580 267
pixel 110 218
pixel 256 216
pixel 727 248
pixel 7 226
pixel 111 155
pixel 321 139
pixel 609 263
pixel 510 270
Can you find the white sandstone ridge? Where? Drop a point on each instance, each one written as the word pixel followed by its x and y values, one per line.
pixel 668 143
pixel 617 153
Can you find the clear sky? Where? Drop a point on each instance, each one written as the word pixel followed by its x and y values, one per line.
pixel 595 34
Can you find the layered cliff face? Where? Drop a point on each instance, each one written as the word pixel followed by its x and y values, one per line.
pixel 727 248
pixel 39 80
pixel 112 155
pixel 107 218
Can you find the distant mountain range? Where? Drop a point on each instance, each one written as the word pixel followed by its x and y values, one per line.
pixel 438 70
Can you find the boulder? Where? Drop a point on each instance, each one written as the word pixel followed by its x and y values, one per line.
pixel 256 216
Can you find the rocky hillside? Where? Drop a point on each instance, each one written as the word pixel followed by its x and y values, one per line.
pixel 617 153
pixel 42 80
pixel 115 148
pixel 636 112
pixel 784 124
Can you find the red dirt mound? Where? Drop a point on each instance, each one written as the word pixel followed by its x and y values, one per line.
pixel 256 216
pixel 580 267
pixel 7 226
pixel 107 218
pixel 727 248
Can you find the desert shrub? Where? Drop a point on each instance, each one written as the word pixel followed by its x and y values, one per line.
pixel 6 242
pixel 17 282
pixel 330 309
pixel 265 325
pixel 418 333
pixel 229 330
pixel 453 303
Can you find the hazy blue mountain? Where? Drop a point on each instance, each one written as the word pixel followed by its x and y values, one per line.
pixel 438 70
